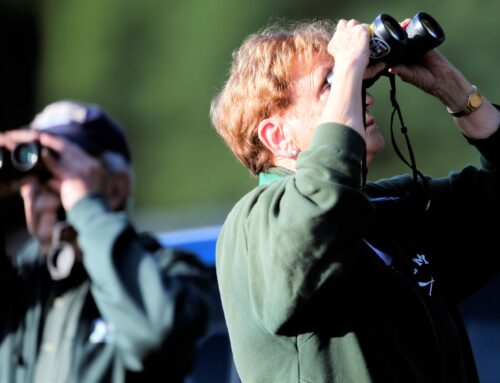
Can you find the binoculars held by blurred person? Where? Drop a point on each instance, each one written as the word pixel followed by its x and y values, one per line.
pixel 25 159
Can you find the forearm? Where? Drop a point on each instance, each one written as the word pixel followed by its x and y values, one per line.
pixel 344 104
pixel 126 280
pixel 479 124
pixel 452 88
pixel 438 77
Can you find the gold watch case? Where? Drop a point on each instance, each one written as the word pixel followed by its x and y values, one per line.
pixel 474 101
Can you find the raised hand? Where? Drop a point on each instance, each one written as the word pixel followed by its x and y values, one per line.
pixel 75 173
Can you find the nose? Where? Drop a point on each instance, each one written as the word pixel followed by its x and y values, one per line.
pixel 46 200
pixel 30 189
pixel 369 100
pixel 40 196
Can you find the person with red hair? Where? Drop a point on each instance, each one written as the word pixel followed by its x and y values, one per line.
pixel 326 278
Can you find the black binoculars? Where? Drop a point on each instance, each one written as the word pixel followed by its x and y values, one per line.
pixel 25 159
pixel 392 44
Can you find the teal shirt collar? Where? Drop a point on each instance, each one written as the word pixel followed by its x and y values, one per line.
pixel 273 174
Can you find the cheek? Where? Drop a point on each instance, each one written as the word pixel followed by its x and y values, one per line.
pixel 300 132
pixel 303 125
pixel 44 227
pixel 41 215
pixel 375 142
pixel 307 132
pixel 28 198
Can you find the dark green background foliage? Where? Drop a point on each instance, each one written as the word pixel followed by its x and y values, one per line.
pixel 155 65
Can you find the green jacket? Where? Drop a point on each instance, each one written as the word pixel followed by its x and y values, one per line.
pixel 307 299
pixel 131 311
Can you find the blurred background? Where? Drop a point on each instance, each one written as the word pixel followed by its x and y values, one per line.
pixel 155 65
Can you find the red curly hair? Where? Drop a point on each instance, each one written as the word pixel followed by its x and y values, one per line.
pixel 260 84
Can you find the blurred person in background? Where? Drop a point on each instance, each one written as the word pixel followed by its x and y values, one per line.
pixel 324 278
pixel 89 299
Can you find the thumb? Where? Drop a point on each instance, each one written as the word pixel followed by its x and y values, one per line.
pixel 373 70
pixel 402 71
pixel 51 163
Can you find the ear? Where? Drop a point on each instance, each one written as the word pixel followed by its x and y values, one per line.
pixel 118 191
pixel 271 134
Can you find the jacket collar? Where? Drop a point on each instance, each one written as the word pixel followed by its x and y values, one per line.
pixel 273 174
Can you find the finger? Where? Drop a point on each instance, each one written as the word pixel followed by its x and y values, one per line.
pixel 402 71
pixel 62 145
pixel 9 188
pixel 374 69
pixel 352 23
pixel 55 143
pixel 12 187
pixel 405 23
pixel 14 137
pixel 54 184
pixel 341 24
pixel 22 134
pixel 378 66
pixel 52 163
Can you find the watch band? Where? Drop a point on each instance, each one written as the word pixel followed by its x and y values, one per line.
pixel 458 114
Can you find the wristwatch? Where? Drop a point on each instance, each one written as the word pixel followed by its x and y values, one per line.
pixel 474 101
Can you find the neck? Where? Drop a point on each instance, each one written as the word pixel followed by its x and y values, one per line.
pixel 287 163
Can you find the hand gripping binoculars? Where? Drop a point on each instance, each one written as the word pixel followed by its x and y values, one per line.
pixel 25 159
pixel 392 44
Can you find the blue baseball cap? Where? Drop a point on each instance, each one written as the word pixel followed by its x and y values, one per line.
pixel 86 125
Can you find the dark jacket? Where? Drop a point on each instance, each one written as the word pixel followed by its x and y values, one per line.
pixel 305 295
pixel 141 307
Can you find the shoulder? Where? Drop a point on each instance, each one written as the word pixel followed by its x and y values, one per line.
pixel 259 198
pixel 173 261
pixel 28 255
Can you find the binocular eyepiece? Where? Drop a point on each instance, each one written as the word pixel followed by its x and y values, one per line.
pixel 25 159
pixel 392 44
